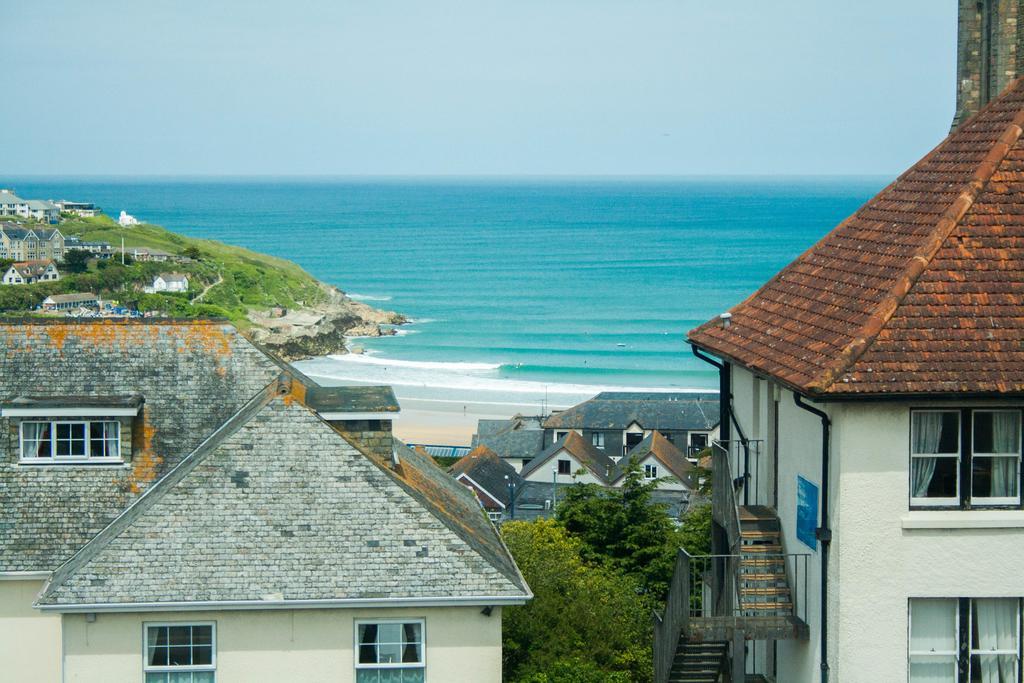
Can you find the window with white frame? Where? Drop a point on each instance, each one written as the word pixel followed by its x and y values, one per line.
pixel 559 435
pixel 650 471
pixel 565 467
pixel 597 438
pixel 985 630
pixel 70 440
pixel 180 653
pixel 981 447
pixel 390 651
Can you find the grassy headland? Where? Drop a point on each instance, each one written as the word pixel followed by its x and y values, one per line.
pixel 240 285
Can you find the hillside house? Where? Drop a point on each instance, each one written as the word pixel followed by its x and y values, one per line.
pixel 67 302
pixel 101 250
pixel 12 205
pixel 126 220
pixel 616 422
pixel 145 254
pixel 43 210
pixel 29 243
pixel 225 518
pixel 875 533
pixel 169 282
pixel 31 272
pixel 658 459
pixel 83 209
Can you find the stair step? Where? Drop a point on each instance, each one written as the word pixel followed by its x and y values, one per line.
pixel 764 590
pixel 759 533
pixel 762 576
pixel 762 548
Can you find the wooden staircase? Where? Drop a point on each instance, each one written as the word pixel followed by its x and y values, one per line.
pixel 698 662
pixel 763 586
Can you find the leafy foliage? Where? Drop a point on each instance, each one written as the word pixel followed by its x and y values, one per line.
pixel 76 261
pixel 585 623
pixel 621 528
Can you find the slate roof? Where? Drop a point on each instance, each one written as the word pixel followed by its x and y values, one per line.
pixel 30 269
pixel 16 232
pixel 193 376
pixel 71 298
pixel 665 452
pixel 8 197
pixel 352 399
pixel 278 507
pixel 38 401
pixel 173 277
pixel 591 457
pixel 654 410
pixel 918 293
pixel 489 471
pixel 519 437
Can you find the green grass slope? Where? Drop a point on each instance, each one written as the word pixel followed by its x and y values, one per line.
pixel 250 280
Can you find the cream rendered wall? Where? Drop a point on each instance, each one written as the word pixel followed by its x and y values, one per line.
pixel 799 455
pixel 543 473
pixel 312 646
pixel 886 560
pixel 668 480
pixel 29 640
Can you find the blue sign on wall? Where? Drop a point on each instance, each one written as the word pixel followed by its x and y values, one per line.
pixel 806 512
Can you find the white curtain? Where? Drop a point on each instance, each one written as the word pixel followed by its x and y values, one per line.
pixel 933 641
pixel 927 434
pixel 996 622
pixel 1005 439
pixel 33 434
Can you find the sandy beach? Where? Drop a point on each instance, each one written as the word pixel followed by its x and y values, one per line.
pixel 441 402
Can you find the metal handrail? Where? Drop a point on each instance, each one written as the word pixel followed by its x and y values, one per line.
pixel 668 628
pixel 702 569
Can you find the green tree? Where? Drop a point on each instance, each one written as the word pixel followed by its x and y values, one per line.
pixel 624 529
pixel 76 260
pixel 585 623
pixel 192 252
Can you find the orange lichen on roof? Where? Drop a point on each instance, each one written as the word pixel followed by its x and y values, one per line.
pixel 296 393
pixel 145 462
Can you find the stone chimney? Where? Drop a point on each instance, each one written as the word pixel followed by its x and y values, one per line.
pixel 989 53
pixel 363 413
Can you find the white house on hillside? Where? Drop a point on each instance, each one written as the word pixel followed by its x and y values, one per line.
pixel 30 272
pixel 169 282
pixel 126 220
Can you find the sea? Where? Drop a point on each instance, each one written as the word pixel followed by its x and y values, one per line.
pixel 549 287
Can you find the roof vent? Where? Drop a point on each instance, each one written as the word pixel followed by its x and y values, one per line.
pixel 726 319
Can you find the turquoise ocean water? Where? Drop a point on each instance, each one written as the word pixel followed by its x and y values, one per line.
pixel 551 281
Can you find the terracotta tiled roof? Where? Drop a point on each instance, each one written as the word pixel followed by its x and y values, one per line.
pixel 590 457
pixel 919 292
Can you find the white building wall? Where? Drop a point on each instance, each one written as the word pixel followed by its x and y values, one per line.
pixel 313 646
pixel 29 640
pixel 887 558
pixel 543 472
pixel 799 442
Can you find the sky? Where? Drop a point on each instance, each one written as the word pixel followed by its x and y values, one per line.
pixel 474 87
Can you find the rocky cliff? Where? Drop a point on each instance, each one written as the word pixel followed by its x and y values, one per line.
pixel 320 329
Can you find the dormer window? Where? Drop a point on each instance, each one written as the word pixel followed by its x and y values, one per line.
pixel 70 441
pixel 71 430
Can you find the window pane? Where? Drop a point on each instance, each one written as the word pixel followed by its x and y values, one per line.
pixel 202 635
pixel 157 656
pixel 202 655
pixel 996 431
pixel 180 656
pixel 156 678
pixel 366 676
pixel 202 677
pixel 934 477
pixel 994 668
pixel 933 669
pixel 933 626
pixel 994 477
pixel 180 635
pixel 933 431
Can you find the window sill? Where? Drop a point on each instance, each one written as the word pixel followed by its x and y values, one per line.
pixel 963 519
pixel 95 462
